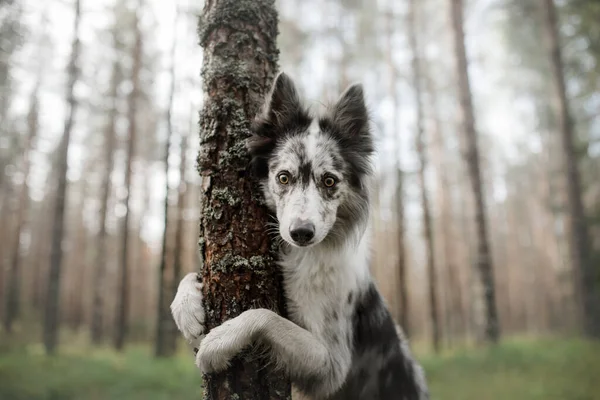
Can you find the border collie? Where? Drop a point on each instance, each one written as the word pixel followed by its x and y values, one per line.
pixel 340 341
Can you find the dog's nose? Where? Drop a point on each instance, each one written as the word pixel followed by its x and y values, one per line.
pixel 302 232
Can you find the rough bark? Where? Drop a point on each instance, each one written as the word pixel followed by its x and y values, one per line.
pixel 422 154
pixel 122 312
pixel 240 60
pixel 579 236
pixel 100 263
pixel 52 312
pixel 484 255
pixel 165 326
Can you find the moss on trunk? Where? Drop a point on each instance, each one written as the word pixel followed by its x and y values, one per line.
pixel 240 60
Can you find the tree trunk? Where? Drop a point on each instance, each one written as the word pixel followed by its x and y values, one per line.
pixel 484 255
pixel 422 154
pixel 403 309
pixel 179 230
pixel 52 313
pixel 240 60
pixel 445 205
pixel 100 263
pixel 14 276
pixel 579 236
pixel 165 325
pixel 122 311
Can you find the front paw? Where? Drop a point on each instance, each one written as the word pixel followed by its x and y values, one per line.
pixel 220 346
pixel 187 309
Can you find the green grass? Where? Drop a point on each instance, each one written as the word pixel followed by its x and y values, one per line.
pixel 27 374
pixel 515 370
pixel 519 370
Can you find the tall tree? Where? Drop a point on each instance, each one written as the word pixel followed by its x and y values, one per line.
pixel 579 236
pixel 455 315
pixel 51 317
pixel 122 311
pixel 422 153
pixel 165 326
pixel 240 60
pixel 14 277
pixel 403 316
pixel 484 254
pixel 100 263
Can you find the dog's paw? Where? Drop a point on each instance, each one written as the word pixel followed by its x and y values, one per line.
pixel 221 345
pixel 187 308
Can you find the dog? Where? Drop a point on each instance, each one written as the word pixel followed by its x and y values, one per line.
pixel 340 341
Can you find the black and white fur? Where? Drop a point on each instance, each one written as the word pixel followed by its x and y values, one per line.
pixel 340 341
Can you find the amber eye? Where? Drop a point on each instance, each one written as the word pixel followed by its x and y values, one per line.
pixel 283 178
pixel 329 181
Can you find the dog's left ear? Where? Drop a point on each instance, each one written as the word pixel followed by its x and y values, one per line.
pixel 350 111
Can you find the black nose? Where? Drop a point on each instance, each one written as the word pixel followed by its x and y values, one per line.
pixel 302 232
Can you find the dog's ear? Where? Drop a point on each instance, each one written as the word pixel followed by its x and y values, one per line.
pixel 350 113
pixel 283 103
pixel 282 112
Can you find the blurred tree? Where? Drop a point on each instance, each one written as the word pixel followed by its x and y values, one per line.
pixel 166 329
pixel 122 311
pixel 422 154
pixel 399 197
pixel 454 311
pixel 579 240
pixel 240 60
pixel 101 252
pixel 51 318
pixel 484 259
pixel 23 205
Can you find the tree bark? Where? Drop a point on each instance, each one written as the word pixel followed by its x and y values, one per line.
pixel 100 263
pixel 484 255
pixel 422 154
pixel 165 326
pixel 122 312
pixel 52 312
pixel 240 60
pixel 579 236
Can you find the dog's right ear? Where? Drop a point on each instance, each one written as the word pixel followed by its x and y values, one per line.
pixel 282 113
pixel 282 103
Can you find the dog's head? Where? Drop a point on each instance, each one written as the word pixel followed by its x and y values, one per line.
pixel 313 170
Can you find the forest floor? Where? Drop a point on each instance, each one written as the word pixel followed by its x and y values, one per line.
pixel 515 370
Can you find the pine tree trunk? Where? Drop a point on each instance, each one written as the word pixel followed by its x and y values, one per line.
pixel 422 154
pixel 579 235
pixel 122 311
pixel 456 323
pixel 484 255
pixel 240 60
pixel 165 326
pixel 14 277
pixel 402 283
pixel 179 231
pixel 100 263
pixel 52 312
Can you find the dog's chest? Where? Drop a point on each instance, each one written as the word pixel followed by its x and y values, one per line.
pixel 318 289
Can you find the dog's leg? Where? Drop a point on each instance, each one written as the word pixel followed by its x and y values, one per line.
pixel 187 308
pixel 295 349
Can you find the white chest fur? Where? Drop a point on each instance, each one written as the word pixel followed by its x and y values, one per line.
pixel 318 283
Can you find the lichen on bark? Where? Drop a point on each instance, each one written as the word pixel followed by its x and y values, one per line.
pixel 239 272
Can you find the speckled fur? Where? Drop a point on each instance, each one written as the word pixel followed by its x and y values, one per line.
pixel 340 341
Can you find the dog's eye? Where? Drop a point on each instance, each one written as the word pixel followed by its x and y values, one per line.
pixel 329 181
pixel 283 178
